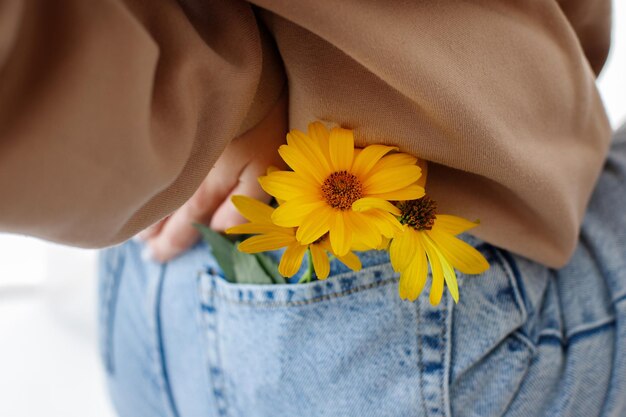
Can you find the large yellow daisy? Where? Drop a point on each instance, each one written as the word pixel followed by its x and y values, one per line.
pixel 333 189
pixel 272 237
pixel 429 238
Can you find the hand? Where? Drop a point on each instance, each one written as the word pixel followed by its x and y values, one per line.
pixel 235 172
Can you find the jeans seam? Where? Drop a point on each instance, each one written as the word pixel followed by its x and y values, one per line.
pixel 113 271
pixel 420 361
pixel 213 357
pixel 447 359
pixel 444 311
pixel 512 271
pixel 550 333
pixel 619 298
pixel 316 299
pixel 441 382
pixel 509 266
pixel 160 362
pixel 521 336
pixel 582 333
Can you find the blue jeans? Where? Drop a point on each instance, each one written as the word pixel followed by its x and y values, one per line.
pixel 524 340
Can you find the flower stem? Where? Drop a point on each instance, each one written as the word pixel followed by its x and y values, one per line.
pixel 308 274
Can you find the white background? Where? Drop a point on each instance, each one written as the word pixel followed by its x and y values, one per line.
pixel 49 363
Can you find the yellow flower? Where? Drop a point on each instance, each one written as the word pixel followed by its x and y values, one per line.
pixel 333 189
pixel 272 237
pixel 427 237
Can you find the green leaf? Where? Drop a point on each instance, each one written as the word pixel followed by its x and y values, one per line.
pixel 222 250
pixel 270 268
pixel 248 270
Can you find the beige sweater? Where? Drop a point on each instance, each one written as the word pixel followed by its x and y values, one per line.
pixel 112 112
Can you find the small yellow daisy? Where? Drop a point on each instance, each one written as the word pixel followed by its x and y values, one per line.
pixel 429 238
pixel 334 189
pixel 272 237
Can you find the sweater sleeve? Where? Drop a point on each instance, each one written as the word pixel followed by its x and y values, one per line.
pixel 112 112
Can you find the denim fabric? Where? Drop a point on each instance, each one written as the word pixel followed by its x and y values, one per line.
pixel 524 340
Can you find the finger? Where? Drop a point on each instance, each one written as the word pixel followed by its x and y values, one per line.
pixel 239 163
pixel 227 215
pixel 151 231
pixel 178 233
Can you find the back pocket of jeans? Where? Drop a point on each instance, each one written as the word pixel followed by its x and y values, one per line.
pixel 344 346
pixel 110 266
pixel 491 354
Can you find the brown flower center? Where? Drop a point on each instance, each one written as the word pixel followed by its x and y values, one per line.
pixel 419 214
pixel 341 189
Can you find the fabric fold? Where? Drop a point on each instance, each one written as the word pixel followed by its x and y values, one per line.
pixel 112 113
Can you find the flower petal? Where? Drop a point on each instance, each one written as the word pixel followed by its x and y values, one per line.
pixel 311 148
pixel 448 271
pixel 362 232
pixel 403 248
pixel 391 179
pixel 286 185
pixel 393 160
pixel 360 247
pixel 293 212
pixel 386 223
pixel 413 278
pixel 292 259
pixel 271 169
pixel 321 264
pixel 450 277
pixel 368 157
pixel 410 192
pixel 436 289
pixel 314 226
pixel 453 224
pixel 298 161
pixel 340 235
pixel 256 228
pixel 384 244
pixel 461 255
pixel 367 203
pixel 319 133
pixel 341 147
pixel 262 243
pixel 252 209
pixel 351 261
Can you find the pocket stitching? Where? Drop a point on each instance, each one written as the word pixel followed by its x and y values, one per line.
pixel 315 299
pixel 213 355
